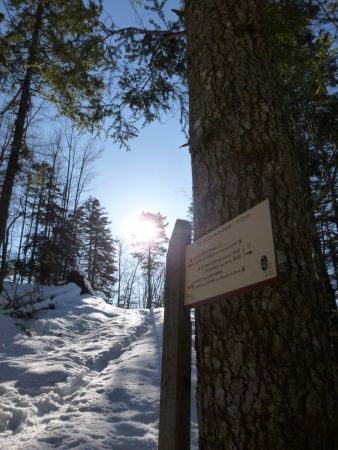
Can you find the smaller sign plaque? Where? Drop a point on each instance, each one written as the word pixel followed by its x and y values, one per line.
pixel 236 257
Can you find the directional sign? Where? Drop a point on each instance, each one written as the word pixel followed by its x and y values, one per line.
pixel 236 257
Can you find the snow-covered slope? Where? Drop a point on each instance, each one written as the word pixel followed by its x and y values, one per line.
pixel 87 377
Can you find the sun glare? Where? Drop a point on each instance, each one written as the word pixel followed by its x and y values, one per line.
pixel 141 230
pixel 146 231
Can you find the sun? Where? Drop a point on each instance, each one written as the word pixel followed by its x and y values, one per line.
pixel 141 230
pixel 145 231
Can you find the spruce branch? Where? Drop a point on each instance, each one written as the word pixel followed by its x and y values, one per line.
pixel 167 34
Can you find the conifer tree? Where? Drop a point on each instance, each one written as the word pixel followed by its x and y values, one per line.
pixel 97 251
pixel 49 49
pixel 36 257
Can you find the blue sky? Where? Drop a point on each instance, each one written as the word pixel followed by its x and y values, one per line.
pixel 155 175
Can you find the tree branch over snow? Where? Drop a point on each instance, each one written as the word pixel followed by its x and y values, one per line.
pixel 165 33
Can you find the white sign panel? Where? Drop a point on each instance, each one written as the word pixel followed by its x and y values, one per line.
pixel 236 257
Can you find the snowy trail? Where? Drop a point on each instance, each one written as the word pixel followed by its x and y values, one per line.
pixel 85 379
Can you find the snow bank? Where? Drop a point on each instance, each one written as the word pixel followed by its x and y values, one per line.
pixel 87 376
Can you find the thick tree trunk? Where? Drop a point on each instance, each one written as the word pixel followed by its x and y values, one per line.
pixel 265 362
pixel 13 162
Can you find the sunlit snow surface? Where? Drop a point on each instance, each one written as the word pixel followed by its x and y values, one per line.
pixel 87 377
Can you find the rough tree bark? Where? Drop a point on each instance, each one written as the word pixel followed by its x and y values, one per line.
pixel 265 362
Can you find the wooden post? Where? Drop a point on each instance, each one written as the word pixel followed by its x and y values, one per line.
pixel 176 357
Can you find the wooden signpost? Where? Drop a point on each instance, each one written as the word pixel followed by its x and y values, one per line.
pixel 236 257
pixel 176 356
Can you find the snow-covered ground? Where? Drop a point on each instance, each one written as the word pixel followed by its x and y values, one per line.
pixel 85 376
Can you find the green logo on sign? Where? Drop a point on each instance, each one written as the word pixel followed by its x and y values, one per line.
pixel 264 263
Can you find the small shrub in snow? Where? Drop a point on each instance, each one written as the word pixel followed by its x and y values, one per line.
pixel 25 304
